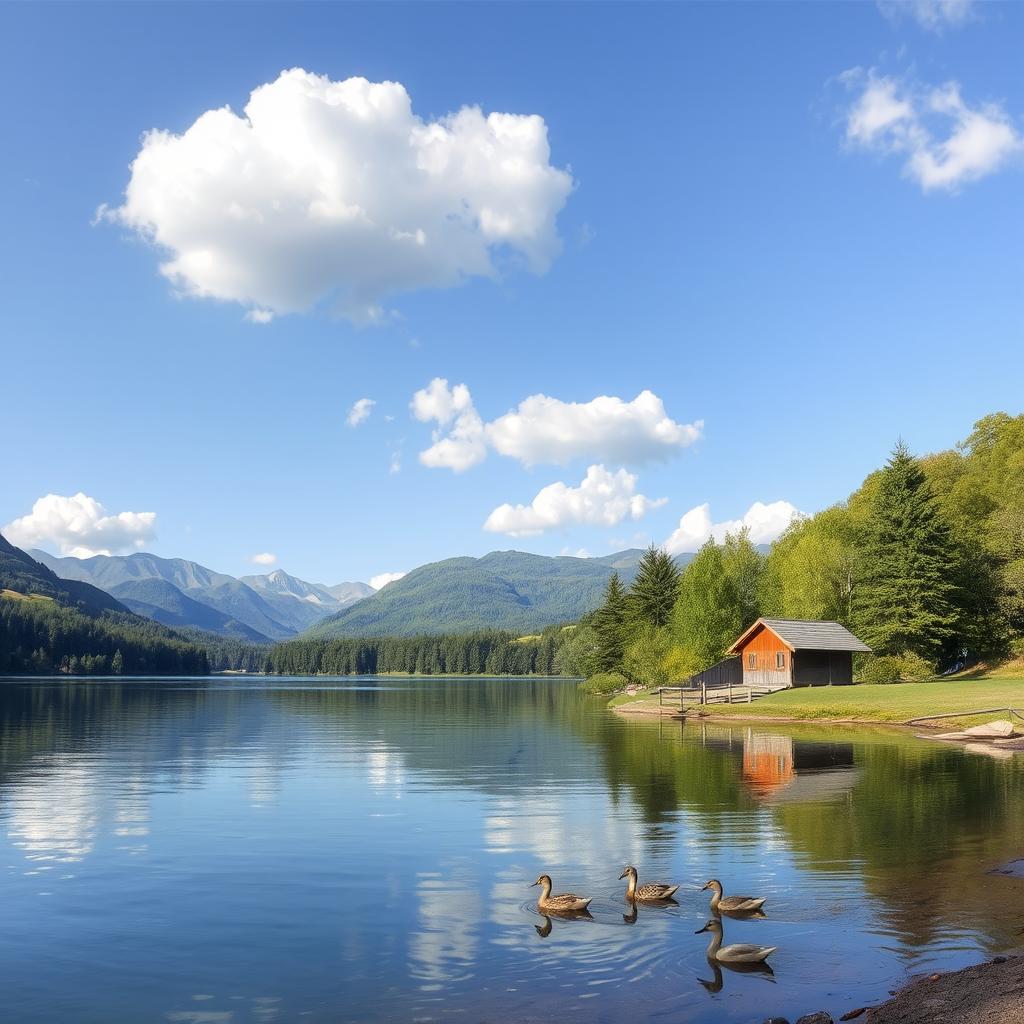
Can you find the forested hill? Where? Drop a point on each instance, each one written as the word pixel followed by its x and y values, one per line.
pixel 22 574
pixel 48 625
pixel 505 590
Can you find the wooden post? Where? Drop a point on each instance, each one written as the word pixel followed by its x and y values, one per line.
pixel 703 692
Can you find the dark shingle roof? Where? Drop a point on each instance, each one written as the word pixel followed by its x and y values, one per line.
pixel 802 635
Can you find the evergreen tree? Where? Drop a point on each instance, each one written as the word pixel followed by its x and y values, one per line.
pixel 610 627
pixel 117 665
pixel 655 589
pixel 906 600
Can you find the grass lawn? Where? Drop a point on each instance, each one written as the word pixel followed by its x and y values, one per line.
pixel 894 704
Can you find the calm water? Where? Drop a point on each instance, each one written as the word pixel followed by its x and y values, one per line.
pixel 207 851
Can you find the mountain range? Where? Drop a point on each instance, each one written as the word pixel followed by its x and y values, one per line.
pixel 177 592
pixel 509 590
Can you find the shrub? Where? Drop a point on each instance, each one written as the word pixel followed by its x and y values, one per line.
pixel 892 668
pixel 604 683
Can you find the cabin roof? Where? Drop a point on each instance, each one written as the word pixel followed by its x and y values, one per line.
pixel 805 635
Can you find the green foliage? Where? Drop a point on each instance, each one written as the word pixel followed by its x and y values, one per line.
pixel 610 628
pixel 44 638
pixel 485 652
pixel 578 654
pixel 891 668
pixel 647 655
pixel 810 571
pixel 743 566
pixel 655 589
pixel 506 590
pixel 906 599
pixel 604 683
pixel 708 615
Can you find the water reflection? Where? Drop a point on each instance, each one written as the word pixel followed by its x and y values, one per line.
pixel 270 846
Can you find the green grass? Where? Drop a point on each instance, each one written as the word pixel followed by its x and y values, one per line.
pixel 13 595
pixel 892 704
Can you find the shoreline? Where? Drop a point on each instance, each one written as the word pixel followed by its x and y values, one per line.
pixel 628 711
pixel 991 992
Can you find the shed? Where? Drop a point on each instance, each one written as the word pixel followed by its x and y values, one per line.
pixel 797 652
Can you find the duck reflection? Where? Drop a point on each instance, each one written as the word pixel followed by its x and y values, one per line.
pixel 544 930
pixel 716 983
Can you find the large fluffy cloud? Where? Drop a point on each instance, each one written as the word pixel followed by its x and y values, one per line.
pixel 336 192
pixel 80 526
pixel 765 522
pixel 944 143
pixel 603 498
pixel 547 430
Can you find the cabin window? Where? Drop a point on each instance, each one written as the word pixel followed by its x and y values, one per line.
pixel 780 659
pixel 751 660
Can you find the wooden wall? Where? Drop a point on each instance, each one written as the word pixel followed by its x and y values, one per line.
pixel 766 646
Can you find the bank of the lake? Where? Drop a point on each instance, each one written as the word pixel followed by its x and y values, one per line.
pixel 894 704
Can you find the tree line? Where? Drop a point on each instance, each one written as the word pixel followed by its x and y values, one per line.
pixel 40 637
pixel 484 652
pixel 924 561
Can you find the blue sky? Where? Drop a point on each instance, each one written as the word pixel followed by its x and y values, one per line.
pixel 799 225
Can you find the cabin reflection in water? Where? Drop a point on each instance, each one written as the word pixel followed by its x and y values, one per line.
pixel 782 769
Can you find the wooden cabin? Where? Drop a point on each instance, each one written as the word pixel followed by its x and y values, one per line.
pixel 795 652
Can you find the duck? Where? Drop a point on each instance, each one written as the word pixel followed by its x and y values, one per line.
pixel 563 903
pixel 650 891
pixel 731 904
pixel 737 953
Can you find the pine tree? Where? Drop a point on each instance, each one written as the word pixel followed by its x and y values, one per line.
pixel 906 601
pixel 655 589
pixel 610 626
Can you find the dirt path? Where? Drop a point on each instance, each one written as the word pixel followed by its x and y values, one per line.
pixel 989 993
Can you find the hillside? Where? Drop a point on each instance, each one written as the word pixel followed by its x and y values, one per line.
pixel 272 607
pixel 50 625
pixel 24 575
pixel 161 601
pixel 508 590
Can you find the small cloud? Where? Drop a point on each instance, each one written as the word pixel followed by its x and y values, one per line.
pixel 263 558
pixel 360 411
pixel 931 15
pixel 943 141
pixel 765 523
pixel 603 498
pixel 547 430
pixel 381 580
pixel 80 526
pixel 259 316
pixel 578 553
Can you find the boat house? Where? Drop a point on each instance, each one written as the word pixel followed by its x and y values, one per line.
pixel 779 653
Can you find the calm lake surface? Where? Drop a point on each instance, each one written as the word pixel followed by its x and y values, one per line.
pixel 360 850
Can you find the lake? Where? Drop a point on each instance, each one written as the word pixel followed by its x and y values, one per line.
pixel 322 850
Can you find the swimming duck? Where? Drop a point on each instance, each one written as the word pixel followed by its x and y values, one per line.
pixel 731 904
pixel 647 892
pixel 565 902
pixel 737 953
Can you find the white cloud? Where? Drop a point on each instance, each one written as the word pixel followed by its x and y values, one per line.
pixel 259 316
pixel 764 521
pixel 80 526
pixel 384 578
pixel 933 15
pixel 263 558
pixel 944 143
pixel 578 553
pixel 336 192
pixel 548 430
pixel 360 411
pixel 603 498
pixel 464 445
